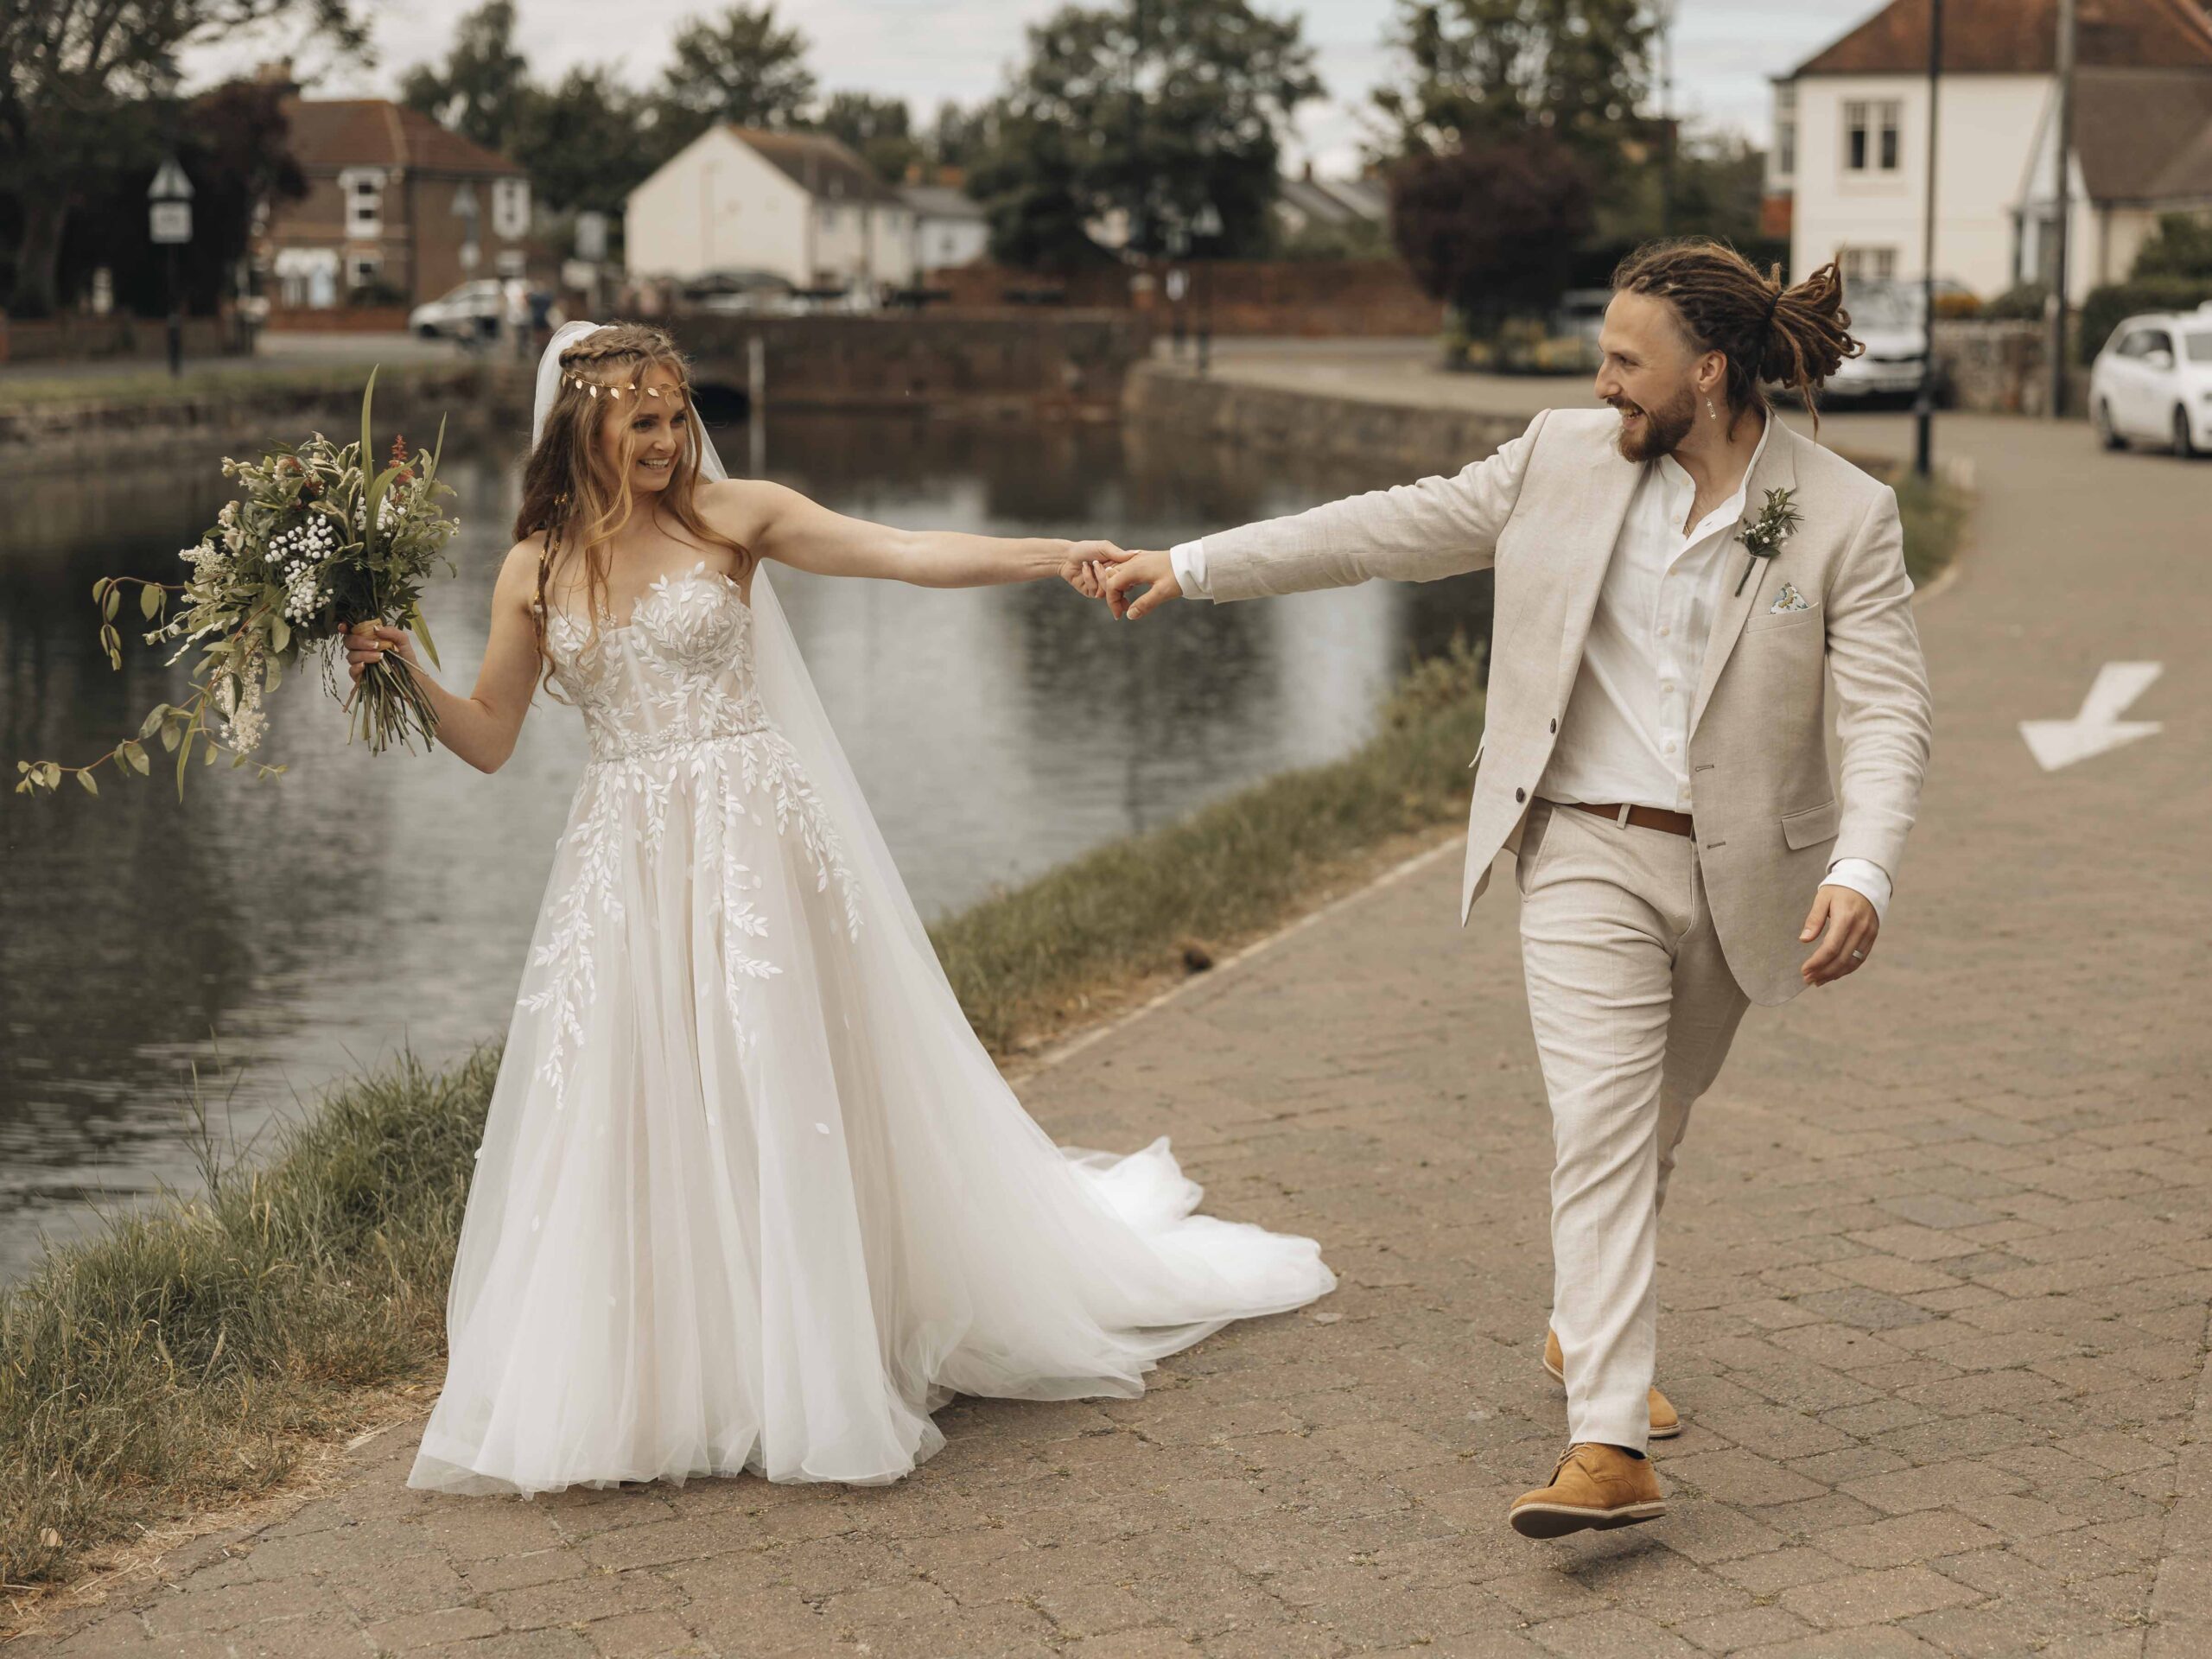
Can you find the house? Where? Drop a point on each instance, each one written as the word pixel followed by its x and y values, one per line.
pixel 399 210
pixel 951 228
pixel 800 205
pixel 1847 171
pixel 1305 203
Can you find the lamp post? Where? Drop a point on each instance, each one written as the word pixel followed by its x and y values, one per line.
pixel 2063 195
pixel 1205 224
pixel 170 225
pixel 1923 408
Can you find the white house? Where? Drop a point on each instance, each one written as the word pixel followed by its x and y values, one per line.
pixel 798 204
pixel 1847 172
pixel 951 228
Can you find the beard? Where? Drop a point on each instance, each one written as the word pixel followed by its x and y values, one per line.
pixel 1662 429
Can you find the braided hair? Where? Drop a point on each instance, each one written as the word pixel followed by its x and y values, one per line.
pixel 567 495
pixel 1769 334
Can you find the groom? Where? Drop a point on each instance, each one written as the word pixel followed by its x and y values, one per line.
pixel 1686 592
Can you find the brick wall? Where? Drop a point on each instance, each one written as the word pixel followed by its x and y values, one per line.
pixel 1319 298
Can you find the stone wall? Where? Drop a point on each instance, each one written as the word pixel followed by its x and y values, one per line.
pixel 2000 367
pixel 1307 298
pixel 1069 362
pixel 1410 440
pixel 73 339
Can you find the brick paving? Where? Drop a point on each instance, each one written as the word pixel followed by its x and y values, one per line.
pixel 1935 1274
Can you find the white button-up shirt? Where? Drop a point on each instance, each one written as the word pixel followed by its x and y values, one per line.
pixel 1625 737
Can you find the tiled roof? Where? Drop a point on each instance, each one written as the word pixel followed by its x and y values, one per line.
pixel 2021 37
pixel 377 132
pixel 819 165
pixel 2144 136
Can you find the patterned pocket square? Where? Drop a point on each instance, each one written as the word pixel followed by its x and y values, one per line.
pixel 1789 600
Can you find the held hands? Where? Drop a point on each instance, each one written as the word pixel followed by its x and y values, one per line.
pixel 1083 567
pixel 1851 924
pixel 1150 571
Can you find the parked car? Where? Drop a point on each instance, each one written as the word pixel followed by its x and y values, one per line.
pixel 1887 319
pixel 739 292
pixel 469 312
pixel 2153 381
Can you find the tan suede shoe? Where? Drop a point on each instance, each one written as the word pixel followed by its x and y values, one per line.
pixel 1666 1421
pixel 1594 1486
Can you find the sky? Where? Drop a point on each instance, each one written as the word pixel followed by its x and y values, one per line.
pixel 927 51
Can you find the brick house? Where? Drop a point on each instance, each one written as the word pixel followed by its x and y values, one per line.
pixel 398 207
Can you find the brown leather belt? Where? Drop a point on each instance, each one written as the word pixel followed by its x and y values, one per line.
pixel 1640 818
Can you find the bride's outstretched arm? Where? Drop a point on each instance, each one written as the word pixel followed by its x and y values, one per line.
pixel 480 727
pixel 780 523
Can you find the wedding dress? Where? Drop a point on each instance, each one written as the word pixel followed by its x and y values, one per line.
pixel 751 1196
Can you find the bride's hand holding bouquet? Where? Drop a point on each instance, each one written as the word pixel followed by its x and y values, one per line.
pixel 319 539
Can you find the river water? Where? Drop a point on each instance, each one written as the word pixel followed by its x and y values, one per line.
pixel 273 937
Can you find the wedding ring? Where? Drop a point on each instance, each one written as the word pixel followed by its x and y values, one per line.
pixel 1859 955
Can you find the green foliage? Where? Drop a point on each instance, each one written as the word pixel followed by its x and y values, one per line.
pixel 90 90
pixel 880 131
pixel 2181 248
pixel 1491 229
pixel 585 143
pixel 176 1363
pixel 1484 71
pixel 1156 110
pixel 2107 307
pixel 481 89
pixel 2022 302
pixel 744 67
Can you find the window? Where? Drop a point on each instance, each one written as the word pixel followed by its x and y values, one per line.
pixel 511 208
pixel 1785 132
pixel 829 217
pixel 1869 264
pixel 363 189
pixel 1871 134
pixel 363 270
pixel 2199 348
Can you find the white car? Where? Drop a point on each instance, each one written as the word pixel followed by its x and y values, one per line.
pixel 2153 381
pixel 1887 318
pixel 469 312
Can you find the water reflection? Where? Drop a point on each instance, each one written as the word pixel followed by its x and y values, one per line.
pixel 301 928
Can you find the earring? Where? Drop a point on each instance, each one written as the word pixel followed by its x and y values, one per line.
pixel 1711 413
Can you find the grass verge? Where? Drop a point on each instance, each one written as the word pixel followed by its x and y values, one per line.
pixel 181 1361
pixel 1935 513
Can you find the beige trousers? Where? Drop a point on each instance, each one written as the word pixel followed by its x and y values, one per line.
pixel 1634 1007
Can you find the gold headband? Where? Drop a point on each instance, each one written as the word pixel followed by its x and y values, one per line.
pixel 595 387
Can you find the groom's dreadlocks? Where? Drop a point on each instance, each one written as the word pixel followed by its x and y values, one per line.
pixel 1770 335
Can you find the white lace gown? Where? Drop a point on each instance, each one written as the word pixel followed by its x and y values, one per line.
pixel 751 1195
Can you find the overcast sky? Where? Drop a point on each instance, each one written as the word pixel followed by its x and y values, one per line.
pixel 929 50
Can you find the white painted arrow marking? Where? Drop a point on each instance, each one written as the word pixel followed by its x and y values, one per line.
pixel 2056 743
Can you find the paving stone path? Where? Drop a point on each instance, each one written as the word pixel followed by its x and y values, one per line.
pixel 1935 1275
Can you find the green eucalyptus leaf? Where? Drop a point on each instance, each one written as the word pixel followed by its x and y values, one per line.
pixel 99 589
pixel 136 757
pixel 150 601
pixel 92 786
pixel 160 714
pixel 112 603
pixel 280 633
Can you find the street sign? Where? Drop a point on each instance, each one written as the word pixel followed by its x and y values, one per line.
pixel 591 236
pixel 171 222
pixel 170 183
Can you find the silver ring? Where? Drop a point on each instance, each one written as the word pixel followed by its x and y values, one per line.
pixel 1859 955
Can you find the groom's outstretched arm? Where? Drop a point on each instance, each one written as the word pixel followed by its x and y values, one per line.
pixel 1415 533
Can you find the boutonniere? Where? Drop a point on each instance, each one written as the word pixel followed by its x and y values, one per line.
pixel 1763 536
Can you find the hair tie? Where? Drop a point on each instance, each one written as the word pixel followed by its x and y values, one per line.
pixel 1766 323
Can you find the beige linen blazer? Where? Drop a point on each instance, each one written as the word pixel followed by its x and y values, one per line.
pixel 1545 511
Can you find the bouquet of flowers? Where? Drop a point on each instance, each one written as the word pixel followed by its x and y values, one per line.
pixel 318 541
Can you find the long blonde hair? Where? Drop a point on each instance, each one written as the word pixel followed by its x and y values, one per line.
pixel 566 491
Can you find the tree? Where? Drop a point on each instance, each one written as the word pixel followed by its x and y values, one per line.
pixel 746 68
pixel 1491 228
pixel 584 142
pixel 1483 70
pixel 958 138
pixel 89 87
pixel 2180 247
pixel 881 130
pixel 484 83
pixel 1158 109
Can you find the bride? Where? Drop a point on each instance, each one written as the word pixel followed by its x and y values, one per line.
pixel 751 1195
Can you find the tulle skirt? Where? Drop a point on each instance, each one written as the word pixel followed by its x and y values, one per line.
pixel 752 1197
